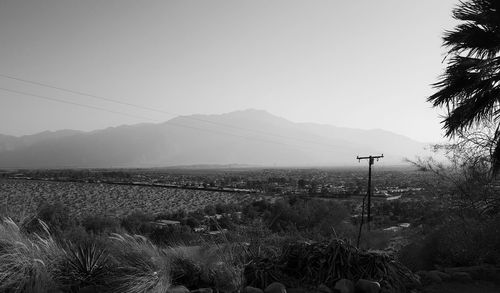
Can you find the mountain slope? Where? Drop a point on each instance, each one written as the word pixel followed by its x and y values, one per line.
pixel 9 142
pixel 243 137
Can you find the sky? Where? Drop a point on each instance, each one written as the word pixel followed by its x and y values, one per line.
pixel 361 64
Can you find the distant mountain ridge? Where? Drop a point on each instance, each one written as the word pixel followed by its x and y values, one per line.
pixel 9 142
pixel 249 137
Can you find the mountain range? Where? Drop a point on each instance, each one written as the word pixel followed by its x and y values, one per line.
pixel 253 137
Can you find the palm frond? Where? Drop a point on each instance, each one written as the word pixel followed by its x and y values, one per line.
pixel 474 40
pixel 469 89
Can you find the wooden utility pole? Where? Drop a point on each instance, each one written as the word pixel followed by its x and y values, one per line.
pixel 371 160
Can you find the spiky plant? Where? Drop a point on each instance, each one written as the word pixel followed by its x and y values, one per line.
pixel 140 266
pixel 470 87
pixel 85 265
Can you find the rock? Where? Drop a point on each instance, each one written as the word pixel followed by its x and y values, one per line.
pixel 461 277
pixel 344 286
pixel 324 289
pixel 275 287
pixel 297 290
pixel 177 289
pixel 250 289
pixel 202 290
pixel 366 286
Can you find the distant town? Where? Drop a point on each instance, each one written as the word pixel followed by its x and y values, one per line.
pixel 333 183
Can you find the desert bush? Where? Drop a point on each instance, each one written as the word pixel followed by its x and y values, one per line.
pixel 312 215
pixel 137 223
pixel 419 254
pixel 78 234
pixel 193 222
pixel 27 263
pixel 55 215
pixel 210 210
pixel 325 263
pixel 455 243
pixel 140 266
pixel 373 239
pixel 210 265
pixel 100 224
pixel 172 235
pixel 227 208
pixel 178 215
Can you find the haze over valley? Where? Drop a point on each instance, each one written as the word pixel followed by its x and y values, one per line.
pixel 253 137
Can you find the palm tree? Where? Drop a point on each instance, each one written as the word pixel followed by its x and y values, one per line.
pixel 470 87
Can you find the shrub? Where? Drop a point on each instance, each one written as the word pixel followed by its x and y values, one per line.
pixel 26 263
pixel 137 223
pixel 172 235
pixel 100 224
pixel 303 263
pixel 139 265
pixel 77 234
pixel 455 243
pixel 311 215
pixel 212 265
pixel 192 222
pixel 419 255
pixel 56 216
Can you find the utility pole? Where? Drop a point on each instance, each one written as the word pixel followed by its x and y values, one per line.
pixel 371 160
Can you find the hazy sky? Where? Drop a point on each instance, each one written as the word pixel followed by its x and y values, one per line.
pixel 362 64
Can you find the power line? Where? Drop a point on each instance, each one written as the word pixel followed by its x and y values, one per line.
pixel 73 103
pixel 141 117
pixel 84 94
pixel 158 110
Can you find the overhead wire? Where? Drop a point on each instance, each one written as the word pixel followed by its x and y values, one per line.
pixel 73 103
pixel 153 120
pixel 112 100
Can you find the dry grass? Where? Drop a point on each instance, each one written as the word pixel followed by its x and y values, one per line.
pixel 325 263
pixel 26 263
pixel 125 264
pixel 211 265
pixel 140 266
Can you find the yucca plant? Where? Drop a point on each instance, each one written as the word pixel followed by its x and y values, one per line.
pixel 85 265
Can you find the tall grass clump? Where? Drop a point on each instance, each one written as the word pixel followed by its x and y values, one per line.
pixel 211 265
pixel 326 263
pixel 27 263
pixel 139 265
